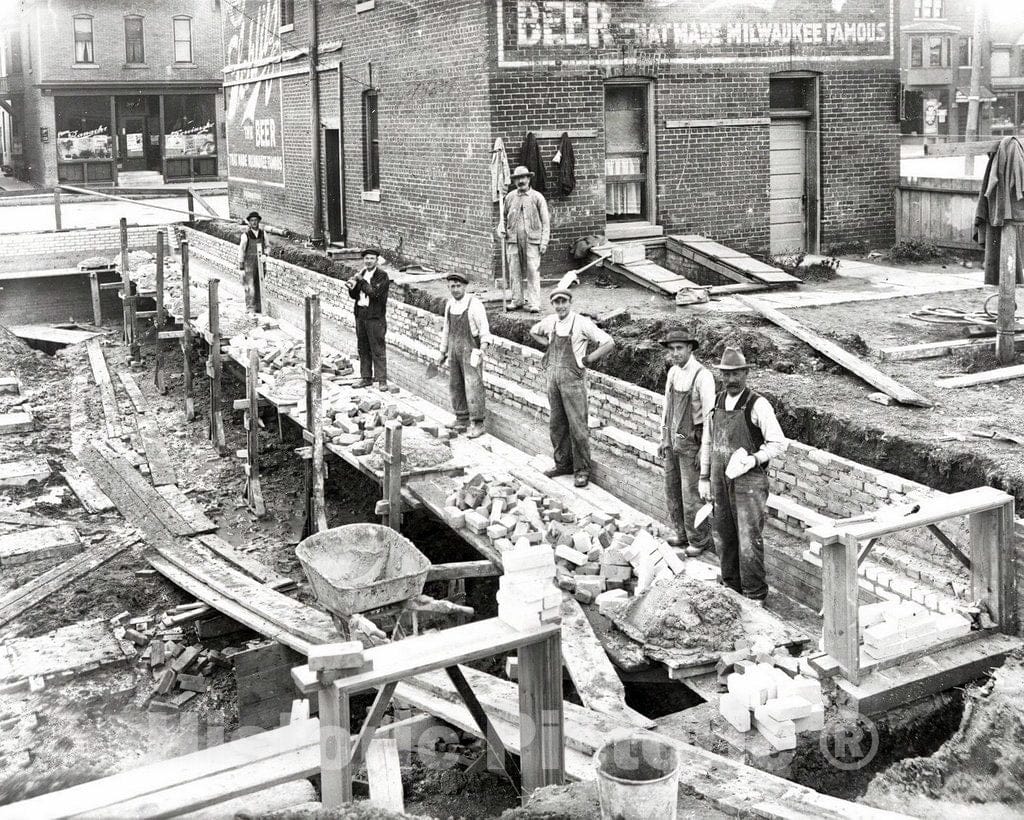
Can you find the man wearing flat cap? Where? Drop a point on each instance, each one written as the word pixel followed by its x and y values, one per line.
pixel 251 248
pixel 369 288
pixel 689 400
pixel 464 334
pixel 526 228
pixel 740 439
pixel 566 336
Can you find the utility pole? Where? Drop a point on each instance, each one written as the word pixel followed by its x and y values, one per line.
pixel 973 99
pixel 317 235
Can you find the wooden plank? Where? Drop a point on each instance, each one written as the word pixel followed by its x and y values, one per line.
pixel 161 470
pixel 384 773
pixel 132 389
pixel 23 473
pixel 32 545
pixel 992 576
pixel 91 497
pixel 855 365
pixel 53 335
pixel 592 673
pixel 952 505
pixel 261 572
pixel 101 376
pixel 935 350
pixel 1000 374
pixel 668 287
pixel 961 149
pixel 23 598
pixel 194 517
pixel 462 569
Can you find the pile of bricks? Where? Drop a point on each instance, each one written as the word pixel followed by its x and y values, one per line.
pixel 357 419
pixel 776 695
pixel 526 594
pixel 180 671
pixel 891 629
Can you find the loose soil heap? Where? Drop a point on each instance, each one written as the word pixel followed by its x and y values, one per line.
pixel 977 772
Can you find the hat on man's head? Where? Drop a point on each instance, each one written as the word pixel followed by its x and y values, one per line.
pixel 374 251
pixel 733 359
pixel 679 336
pixel 455 276
pixel 254 214
pixel 560 293
pixel 521 171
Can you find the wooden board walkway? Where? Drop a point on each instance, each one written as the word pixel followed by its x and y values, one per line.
pixel 101 376
pixel 91 497
pixel 52 335
pixel 728 262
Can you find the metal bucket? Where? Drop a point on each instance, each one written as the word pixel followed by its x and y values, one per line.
pixel 360 567
pixel 637 779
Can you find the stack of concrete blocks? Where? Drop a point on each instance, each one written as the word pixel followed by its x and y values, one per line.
pixel 890 629
pixel 527 595
pixel 767 693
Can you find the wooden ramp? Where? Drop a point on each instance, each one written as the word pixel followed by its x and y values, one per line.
pixel 725 261
pixel 651 275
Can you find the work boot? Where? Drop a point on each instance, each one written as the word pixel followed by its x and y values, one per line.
pixel 676 540
pixel 557 471
pixel 693 552
pixel 515 306
pixel 582 479
pixel 476 429
pixel 365 383
pixel 383 387
pixel 460 426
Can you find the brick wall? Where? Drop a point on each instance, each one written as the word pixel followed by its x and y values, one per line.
pixel 48 250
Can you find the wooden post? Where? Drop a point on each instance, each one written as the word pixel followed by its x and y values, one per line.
pixel 541 718
pixel 251 420
pixel 97 308
pixel 992 548
pixel 186 332
pixel 191 206
pixel 213 368
pixel 159 376
pixel 393 474
pixel 126 282
pixel 1007 292
pixel 56 208
pixel 335 747
pixel 316 516
pixel 840 592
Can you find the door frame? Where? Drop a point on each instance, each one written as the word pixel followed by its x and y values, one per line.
pixel 123 139
pixel 812 152
pixel 651 189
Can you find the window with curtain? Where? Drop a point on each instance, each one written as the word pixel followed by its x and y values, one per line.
pixel 134 50
pixel 83 40
pixel 287 12
pixel 625 164
pixel 371 143
pixel 938 51
pixel 182 40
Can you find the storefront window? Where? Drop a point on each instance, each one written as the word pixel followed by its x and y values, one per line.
pixel 83 128
pixel 189 124
pixel 1004 114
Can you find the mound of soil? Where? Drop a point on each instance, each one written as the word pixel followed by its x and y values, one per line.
pixel 981 765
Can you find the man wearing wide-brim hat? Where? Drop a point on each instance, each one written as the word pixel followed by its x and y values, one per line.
pixel 689 400
pixel 567 336
pixel 526 229
pixel 464 335
pixel 251 248
pixel 740 439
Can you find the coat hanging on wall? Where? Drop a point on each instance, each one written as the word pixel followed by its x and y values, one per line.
pixel 529 155
pixel 565 162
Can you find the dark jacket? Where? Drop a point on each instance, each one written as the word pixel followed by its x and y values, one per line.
pixel 377 291
pixel 529 155
pixel 567 166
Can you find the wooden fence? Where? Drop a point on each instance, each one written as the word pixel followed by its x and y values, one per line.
pixel 937 210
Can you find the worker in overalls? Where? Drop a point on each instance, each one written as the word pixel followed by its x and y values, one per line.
pixel 566 336
pixel 251 248
pixel 740 439
pixel 464 334
pixel 689 400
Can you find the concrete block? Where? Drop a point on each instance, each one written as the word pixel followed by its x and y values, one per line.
pixel 10 386
pixel 192 683
pixel 735 711
pixel 790 707
pixel 749 687
pixel 497 508
pixel 593 583
pixel 527 558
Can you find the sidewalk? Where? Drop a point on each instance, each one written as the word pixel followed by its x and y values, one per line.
pixel 10 184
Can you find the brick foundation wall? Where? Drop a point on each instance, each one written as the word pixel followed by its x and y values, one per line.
pixel 48 250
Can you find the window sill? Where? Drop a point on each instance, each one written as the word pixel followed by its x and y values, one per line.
pixel 371 196
pixel 286 29
pixel 364 5
pixel 184 65
pixel 85 66
pixel 132 66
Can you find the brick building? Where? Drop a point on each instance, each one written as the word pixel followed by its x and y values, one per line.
pixel 766 124
pixel 114 91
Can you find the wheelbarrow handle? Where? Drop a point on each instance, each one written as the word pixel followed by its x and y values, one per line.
pixel 424 603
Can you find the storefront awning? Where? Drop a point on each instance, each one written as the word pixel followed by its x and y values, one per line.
pixel 963 94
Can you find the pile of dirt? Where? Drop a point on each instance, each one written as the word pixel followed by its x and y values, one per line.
pixel 419 450
pixel 359 810
pixel 982 765
pixel 576 801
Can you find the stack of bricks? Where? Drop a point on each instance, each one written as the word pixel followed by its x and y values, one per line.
pixel 892 629
pixel 776 695
pixel 526 595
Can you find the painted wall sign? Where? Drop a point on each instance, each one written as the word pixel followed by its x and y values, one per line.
pixel 601 32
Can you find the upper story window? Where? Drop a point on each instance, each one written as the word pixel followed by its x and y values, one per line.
pixel 927 9
pixel 134 48
pixel 287 13
pixel 929 52
pixel 84 52
pixel 966 52
pixel 371 145
pixel 182 40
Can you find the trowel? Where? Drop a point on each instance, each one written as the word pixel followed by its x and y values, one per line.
pixel 432 370
pixel 702 514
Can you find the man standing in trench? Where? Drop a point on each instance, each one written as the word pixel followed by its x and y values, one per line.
pixel 526 228
pixel 251 248
pixel 369 288
pixel 689 400
pixel 463 335
pixel 566 335
pixel 740 438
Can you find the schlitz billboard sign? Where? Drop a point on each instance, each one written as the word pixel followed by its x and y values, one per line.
pixel 601 32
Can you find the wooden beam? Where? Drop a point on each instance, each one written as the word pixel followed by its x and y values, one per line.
pixel 935 350
pixel 961 149
pixel 462 569
pixel 1005 326
pixel 94 292
pixel 160 367
pixel 251 422
pixel 108 400
pixel 186 335
pixel 132 389
pixel 840 595
pixel 372 721
pixel 992 562
pixel 214 368
pixel 393 474
pixel 1000 374
pixel 541 711
pixel 384 775
pixel 855 365
pixel 335 751
pixel 965 502
pixel 316 513
pixel 90 496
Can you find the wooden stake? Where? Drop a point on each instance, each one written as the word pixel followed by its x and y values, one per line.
pixel 992 580
pixel 213 368
pixel 1007 291
pixel 94 288
pixel 186 334
pixel 159 376
pixel 56 208
pixel 335 748
pixel 126 290
pixel 841 632
pixel 253 491
pixel 316 515
pixel 392 484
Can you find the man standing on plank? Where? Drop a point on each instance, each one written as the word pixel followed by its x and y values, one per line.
pixel 689 400
pixel 464 334
pixel 566 335
pixel 369 288
pixel 251 248
pixel 740 438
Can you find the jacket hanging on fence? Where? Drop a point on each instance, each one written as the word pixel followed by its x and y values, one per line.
pixel 565 160
pixel 529 155
pixel 1001 199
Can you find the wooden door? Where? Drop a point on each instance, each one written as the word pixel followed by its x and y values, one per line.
pixel 133 138
pixel 788 186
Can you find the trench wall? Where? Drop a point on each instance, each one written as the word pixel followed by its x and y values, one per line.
pixel 808 484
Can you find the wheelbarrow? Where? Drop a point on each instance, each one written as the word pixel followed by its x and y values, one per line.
pixel 361 568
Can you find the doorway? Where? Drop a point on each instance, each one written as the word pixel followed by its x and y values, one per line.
pixel 629 160
pixel 793 164
pixel 332 172
pixel 133 139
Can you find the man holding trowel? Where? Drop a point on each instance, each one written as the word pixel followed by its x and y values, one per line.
pixel 464 334
pixel 740 438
